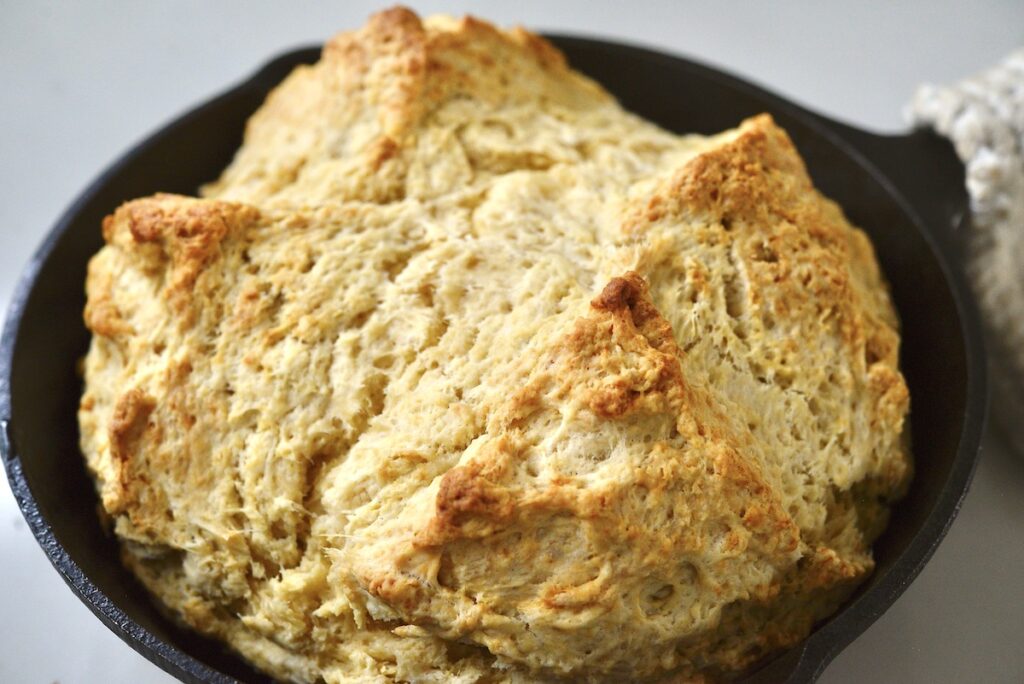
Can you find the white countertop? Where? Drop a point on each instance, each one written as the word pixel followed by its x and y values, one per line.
pixel 83 81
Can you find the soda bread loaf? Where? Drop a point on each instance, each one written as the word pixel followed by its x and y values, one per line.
pixel 461 373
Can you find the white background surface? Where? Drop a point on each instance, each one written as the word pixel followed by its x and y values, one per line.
pixel 83 81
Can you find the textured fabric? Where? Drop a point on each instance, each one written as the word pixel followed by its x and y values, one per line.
pixel 984 117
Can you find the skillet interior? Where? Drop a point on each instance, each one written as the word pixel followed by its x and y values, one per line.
pixel 44 337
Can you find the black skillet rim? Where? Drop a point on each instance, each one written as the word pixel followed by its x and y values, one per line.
pixel 816 651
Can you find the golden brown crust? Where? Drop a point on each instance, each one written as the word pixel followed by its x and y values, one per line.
pixel 126 426
pixel 462 373
pixel 391 98
pixel 493 506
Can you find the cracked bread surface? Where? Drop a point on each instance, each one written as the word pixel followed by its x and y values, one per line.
pixel 460 372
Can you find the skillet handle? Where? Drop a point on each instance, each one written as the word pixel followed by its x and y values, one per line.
pixel 924 169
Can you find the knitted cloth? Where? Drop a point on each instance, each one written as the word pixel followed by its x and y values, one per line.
pixel 984 117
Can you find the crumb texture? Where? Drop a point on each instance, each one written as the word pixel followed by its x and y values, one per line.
pixel 461 373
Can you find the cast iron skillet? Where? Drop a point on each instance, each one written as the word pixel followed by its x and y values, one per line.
pixel 906 191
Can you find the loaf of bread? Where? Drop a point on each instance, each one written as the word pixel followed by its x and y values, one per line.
pixel 461 373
